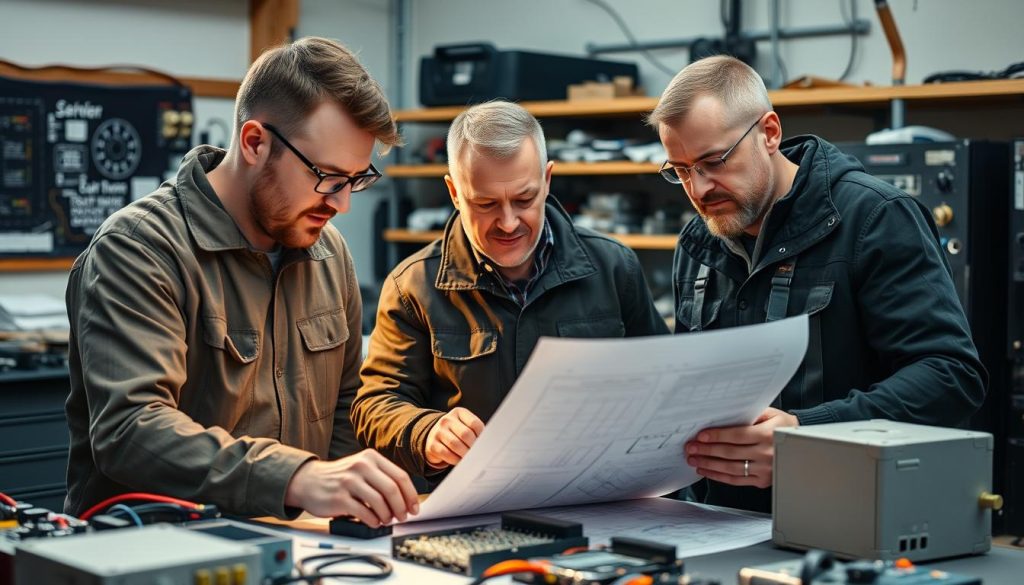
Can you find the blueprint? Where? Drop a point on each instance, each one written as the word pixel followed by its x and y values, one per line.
pixel 596 420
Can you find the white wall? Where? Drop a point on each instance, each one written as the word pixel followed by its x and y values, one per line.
pixel 365 27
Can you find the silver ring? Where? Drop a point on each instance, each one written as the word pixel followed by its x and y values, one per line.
pixel 746 468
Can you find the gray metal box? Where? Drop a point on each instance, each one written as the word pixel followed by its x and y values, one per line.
pixel 883 490
pixel 154 555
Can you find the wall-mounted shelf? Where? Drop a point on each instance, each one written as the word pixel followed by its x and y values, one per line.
pixel 871 100
pixel 989 90
pixel 200 86
pixel 561 168
pixel 635 241
pixel 35 264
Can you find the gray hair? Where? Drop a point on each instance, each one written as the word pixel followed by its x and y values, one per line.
pixel 734 83
pixel 498 129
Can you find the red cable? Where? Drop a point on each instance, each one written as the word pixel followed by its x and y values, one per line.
pixel 7 499
pixel 136 496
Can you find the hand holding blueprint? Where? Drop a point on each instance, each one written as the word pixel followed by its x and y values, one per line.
pixel 595 420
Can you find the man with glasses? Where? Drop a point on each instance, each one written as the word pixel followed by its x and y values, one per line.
pixel 792 227
pixel 457 320
pixel 215 323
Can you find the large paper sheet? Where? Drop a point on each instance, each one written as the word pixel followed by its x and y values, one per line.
pixel 596 420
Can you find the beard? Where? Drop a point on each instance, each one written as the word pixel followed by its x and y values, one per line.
pixel 269 208
pixel 750 208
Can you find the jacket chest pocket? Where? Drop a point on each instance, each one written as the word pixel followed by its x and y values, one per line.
pixel 687 320
pixel 323 340
pixel 228 371
pixel 818 298
pixel 597 327
pixel 467 360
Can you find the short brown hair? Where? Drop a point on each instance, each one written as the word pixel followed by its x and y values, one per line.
pixel 286 83
pixel 734 83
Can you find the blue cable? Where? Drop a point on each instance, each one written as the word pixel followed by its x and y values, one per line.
pixel 131 513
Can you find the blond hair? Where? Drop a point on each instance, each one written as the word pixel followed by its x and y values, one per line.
pixel 734 83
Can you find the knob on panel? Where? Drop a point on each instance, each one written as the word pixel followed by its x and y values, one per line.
pixel 943 215
pixel 944 181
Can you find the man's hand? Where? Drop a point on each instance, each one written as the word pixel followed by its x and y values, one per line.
pixel 451 437
pixel 739 455
pixel 365 486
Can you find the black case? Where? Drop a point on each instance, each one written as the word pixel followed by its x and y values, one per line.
pixel 472 73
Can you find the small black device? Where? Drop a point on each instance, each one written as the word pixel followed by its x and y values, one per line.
pixel 471 550
pixel 353 528
pixel 819 567
pixel 457 75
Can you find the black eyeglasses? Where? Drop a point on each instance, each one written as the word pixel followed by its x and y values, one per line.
pixel 330 183
pixel 707 168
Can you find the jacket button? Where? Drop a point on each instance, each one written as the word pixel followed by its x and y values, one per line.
pixel 279 372
pixel 743 305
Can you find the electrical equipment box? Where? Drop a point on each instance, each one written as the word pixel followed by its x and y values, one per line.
pixel 153 555
pixel 75 153
pixel 275 547
pixel 456 75
pixel 883 490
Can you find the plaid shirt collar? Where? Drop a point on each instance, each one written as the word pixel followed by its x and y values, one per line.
pixel 520 290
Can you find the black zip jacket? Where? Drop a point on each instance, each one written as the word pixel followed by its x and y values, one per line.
pixel 888 336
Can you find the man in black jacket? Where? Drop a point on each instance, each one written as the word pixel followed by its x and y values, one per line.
pixel 796 226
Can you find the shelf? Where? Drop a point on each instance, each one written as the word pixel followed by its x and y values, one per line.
pixel 561 168
pixel 35 264
pixel 635 241
pixel 998 89
pixel 200 86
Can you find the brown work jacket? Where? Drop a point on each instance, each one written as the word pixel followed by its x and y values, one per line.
pixel 449 333
pixel 198 372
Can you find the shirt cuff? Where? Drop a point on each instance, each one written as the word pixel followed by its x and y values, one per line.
pixel 271 473
pixel 815 416
pixel 418 443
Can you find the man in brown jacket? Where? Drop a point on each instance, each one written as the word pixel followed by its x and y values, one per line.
pixel 215 323
pixel 457 321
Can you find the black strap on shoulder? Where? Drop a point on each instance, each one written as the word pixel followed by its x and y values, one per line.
pixel 778 299
pixel 699 288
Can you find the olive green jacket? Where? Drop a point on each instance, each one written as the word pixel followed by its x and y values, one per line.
pixel 448 333
pixel 196 371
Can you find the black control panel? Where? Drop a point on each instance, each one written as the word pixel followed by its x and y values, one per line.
pixel 1015 335
pixel 72 154
pixel 964 185
pixel 1015 338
